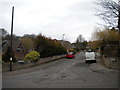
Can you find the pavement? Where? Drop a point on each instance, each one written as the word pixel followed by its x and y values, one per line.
pixel 97 67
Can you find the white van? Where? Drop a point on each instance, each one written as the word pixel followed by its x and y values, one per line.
pixel 90 56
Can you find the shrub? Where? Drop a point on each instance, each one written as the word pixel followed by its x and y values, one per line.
pixel 32 56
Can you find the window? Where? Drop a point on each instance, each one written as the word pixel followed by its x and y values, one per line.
pixel 18 49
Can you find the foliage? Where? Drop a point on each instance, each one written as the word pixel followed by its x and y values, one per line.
pixel 71 50
pixel 105 40
pixel 80 43
pixel 94 44
pixel 3 32
pixel 48 47
pixel 77 49
pixel 8 37
pixel 32 56
pixel 28 43
pixel 31 36
pixel 106 35
pixel 7 55
pixel 80 39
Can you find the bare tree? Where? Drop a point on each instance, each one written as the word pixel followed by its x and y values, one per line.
pixel 80 39
pixel 3 32
pixel 109 12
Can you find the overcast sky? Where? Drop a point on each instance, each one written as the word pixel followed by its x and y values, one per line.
pixel 52 18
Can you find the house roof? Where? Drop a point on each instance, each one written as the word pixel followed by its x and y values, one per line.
pixel 7 43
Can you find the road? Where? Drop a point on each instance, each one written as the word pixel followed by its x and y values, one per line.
pixel 64 73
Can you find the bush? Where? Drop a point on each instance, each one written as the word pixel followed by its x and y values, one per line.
pixel 32 56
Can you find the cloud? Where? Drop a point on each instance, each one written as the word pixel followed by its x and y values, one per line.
pixel 50 17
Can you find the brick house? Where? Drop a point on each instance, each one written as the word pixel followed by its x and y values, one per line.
pixel 18 48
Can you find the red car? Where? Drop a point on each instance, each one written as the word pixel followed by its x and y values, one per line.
pixel 70 55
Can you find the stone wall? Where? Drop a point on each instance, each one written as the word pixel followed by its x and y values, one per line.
pixel 111 62
pixel 110 51
pixel 16 66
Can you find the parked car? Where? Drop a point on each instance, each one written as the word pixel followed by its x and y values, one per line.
pixel 90 56
pixel 21 62
pixel 70 55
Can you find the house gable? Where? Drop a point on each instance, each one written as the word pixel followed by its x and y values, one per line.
pixel 17 48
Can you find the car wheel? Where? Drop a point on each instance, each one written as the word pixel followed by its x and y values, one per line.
pixel 95 61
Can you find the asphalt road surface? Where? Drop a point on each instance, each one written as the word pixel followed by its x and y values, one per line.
pixel 63 73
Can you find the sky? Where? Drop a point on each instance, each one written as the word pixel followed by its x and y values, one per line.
pixel 52 18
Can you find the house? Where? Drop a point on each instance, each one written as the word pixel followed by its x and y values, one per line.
pixel 66 44
pixel 17 48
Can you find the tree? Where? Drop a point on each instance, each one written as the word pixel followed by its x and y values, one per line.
pixel 104 37
pixel 48 47
pixel 3 33
pixel 6 56
pixel 80 39
pixel 80 43
pixel 28 43
pixel 109 12
pixel 31 36
pixel 95 45
pixel 8 36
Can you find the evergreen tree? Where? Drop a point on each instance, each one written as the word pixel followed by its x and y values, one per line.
pixel 7 55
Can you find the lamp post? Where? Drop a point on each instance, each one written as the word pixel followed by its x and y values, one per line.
pixel 11 38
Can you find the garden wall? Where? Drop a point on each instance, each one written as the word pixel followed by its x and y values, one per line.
pixel 111 62
pixel 17 66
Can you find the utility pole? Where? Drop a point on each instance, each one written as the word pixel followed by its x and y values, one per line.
pixel 119 30
pixel 11 38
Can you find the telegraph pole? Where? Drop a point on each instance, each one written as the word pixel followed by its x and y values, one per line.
pixel 11 58
pixel 119 30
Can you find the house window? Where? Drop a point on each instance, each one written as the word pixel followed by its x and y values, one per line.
pixel 18 50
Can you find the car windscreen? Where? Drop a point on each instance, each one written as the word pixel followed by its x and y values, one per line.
pixel 70 53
